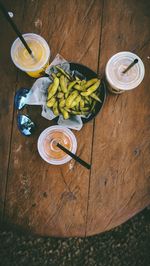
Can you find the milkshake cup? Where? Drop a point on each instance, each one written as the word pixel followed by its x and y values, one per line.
pixel 119 82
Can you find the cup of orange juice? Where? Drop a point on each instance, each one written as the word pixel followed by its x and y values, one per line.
pixel 34 66
pixel 48 149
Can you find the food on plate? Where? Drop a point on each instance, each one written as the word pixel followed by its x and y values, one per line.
pixel 69 95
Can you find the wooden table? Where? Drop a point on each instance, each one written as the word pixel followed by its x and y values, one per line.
pixel 70 200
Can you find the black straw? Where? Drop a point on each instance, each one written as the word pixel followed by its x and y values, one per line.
pixel 75 157
pixel 5 13
pixel 131 65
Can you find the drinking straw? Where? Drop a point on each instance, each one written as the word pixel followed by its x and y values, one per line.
pixel 75 157
pixel 131 65
pixel 5 13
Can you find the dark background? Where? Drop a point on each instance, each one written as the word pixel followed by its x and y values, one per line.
pixel 128 244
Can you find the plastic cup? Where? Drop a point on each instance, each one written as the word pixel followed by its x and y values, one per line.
pixel 48 149
pixel 119 82
pixel 34 66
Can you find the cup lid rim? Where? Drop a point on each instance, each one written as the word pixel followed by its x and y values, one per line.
pixel 40 65
pixel 53 161
pixel 132 85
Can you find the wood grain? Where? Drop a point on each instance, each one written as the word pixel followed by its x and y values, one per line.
pixel 46 199
pixel 69 200
pixel 8 84
pixel 120 177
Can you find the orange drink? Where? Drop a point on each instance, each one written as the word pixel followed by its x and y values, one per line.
pixel 48 149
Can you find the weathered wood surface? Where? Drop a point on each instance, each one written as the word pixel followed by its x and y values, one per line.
pixel 120 177
pixel 69 200
pixel 48 199
pixel 9 79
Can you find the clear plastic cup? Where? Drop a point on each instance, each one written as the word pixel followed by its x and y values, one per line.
pixel 34 67
pixel 117 81
pixel 48 149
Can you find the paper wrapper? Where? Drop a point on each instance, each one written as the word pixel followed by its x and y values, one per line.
pixel 38 95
